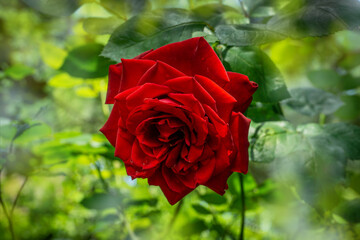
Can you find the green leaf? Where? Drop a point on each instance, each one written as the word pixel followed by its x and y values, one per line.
pixel 312 101
pixel 261 112
pixel 18 71
pixel 54 7
pixel 143 33
pixel 201 209
pixel 85 62
pixel 347 136
pixel 125 7
pixel 101 26
pixel 216 14
pixel 213 198
pixel 254 63
pixel 101 201
pixel 325 79
pixel 317 18
pixel 247 35
pixel 350 211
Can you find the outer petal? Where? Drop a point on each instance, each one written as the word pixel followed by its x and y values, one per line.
pixel 124 142
pixel 159 73
pixel 115 72
pixel 110 128
pixel 190 85
pixel 224 101
pixel 192 56
pixel 241 89
pixel 173 197
pixel 239 128
pixel 218 183
pixel 133 70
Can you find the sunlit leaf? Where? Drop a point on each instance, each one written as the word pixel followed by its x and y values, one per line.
pixel 101 201
pixel 100 26
pixel 85 62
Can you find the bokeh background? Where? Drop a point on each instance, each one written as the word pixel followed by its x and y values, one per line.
pixel 60 180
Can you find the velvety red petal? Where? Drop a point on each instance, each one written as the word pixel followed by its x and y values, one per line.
pixel 220 125
pixel 205 171
pixel 159 73
pixel 140 56
pixel 115 73
pixel 222 159
pixel 110 128
pixel 124 142
pixel 192 56
pixel 188 100
pixel 241 89
pixel 173 197
pixel 148 90
pixel 140 159
pixel 224 101
pixel 172 181
pixel 190 85
pixel 239 128
pixel 218 183
pixel 133 70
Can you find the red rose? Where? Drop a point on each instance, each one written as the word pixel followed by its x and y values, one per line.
pixel 177 118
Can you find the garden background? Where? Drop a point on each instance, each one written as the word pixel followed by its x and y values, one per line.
pixel 59 178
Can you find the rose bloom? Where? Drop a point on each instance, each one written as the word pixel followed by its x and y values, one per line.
pixel 177 118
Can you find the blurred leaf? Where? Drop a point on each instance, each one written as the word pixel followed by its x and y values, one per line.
pixel 148 202
pixel 350 211
pixel 194 226
pixel 350 110
pixel 18 71
pixel 86 92
pixel 259 68
pixel 201 209
pixel 54 7
pixel 125 7
pixel 214 14
pixel 33 132
pixel 317 18
pixel 347 136
pixel 246 35
pixel 312 101
pixel 64 80
pixel 101 26
pixel 324 79
pixel 85 62
pixel 261 112
pixel 213 198
pixel 52 55
pixel 140 34
pixel 101 201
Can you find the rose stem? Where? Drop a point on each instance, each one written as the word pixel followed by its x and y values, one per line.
pixel 241 236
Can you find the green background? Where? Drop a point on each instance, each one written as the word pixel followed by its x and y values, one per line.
pixel 59 178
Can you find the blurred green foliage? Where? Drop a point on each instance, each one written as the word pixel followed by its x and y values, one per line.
pixel 59 178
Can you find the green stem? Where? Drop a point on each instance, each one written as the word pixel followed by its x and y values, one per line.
pixel 7 215
pixel 17 196
pixel 242 224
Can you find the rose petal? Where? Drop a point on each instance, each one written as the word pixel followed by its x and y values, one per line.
pixel 124 142
pixel 224 101
pixel 218 183
pixel 239 128
pixel 190 85
pixel 241 89
pixel 159 73
pixel 192 56
pixel 110 128
pixel 205 171
pixel 173 197
pixel 148 90
pixel 133 70
pixel 172 181
pixel 220 125
pixel 115 72
pixel 188 100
